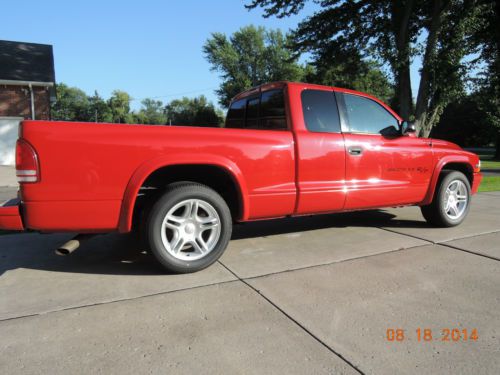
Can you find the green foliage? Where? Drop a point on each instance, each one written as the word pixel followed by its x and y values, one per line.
pixel 465 123
pixel 366 77
pixel 72 104
pixel 152 112
pixel 98 109
pixel 249 57
pixel 196 111
pixel 119 104
pixel 375 82
pixel 486 37
pixel 344 34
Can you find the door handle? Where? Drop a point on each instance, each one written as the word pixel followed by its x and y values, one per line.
pixel 355 150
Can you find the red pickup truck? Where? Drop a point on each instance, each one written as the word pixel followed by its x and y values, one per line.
pixel 287 149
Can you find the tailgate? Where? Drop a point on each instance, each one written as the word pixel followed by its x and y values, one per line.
pixel 10 216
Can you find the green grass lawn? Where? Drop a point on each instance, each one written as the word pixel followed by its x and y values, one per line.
pixel 490 164
pixel 490 183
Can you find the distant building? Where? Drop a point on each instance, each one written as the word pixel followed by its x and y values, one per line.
pixel 27 88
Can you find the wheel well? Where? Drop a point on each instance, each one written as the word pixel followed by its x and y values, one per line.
pixel 212 176
pixel 465 168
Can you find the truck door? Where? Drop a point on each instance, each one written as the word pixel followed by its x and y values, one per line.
pixel 383 167
pixel 320 152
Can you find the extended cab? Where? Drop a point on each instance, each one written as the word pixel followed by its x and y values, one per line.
pixel 287 149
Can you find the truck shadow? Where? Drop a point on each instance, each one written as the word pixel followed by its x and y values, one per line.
pixel 116 254
pixel 373 218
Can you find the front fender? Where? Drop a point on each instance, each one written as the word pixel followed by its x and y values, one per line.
pixel 463 159
pixel 147 168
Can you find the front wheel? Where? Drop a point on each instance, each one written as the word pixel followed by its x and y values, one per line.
pixel 188 228
pixel 451 201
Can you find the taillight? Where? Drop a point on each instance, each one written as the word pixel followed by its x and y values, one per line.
pixel 27 168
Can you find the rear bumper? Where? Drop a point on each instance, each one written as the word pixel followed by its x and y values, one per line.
pixel 10 215
pixel 476 181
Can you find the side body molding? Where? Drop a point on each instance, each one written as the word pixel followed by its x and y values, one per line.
pixel 148 167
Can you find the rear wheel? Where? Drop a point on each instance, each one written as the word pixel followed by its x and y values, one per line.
pixel 188 228
pixel 451 201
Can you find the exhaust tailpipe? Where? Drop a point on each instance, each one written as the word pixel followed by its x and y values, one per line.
pixel 73 244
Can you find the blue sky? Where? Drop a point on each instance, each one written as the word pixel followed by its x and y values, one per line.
pixel 147 48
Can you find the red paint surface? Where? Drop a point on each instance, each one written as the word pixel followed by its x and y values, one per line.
pixel 10 219
pixel 90 174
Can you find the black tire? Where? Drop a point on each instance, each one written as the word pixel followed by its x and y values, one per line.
pixel 434 213
pixel 176 194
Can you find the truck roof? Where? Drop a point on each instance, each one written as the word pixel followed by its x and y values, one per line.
pixel 281 84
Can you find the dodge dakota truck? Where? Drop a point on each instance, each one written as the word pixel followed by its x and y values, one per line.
pixel 287 149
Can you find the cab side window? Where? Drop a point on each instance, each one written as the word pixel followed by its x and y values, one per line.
pixel 367 116
pixel 272 110
pixel 320 110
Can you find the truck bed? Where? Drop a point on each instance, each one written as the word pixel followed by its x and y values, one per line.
pixel 88 169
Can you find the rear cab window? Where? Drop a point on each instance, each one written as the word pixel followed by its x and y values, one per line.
pixel 252 113
pixel 236 115
pixel 265 111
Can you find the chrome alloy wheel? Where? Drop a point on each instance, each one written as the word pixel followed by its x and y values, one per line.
pixel 455 199
pixel 191 229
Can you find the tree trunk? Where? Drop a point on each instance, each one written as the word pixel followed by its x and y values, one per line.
pixel 431 118
pixel 422 106
pixel 400 17
pixel 403 89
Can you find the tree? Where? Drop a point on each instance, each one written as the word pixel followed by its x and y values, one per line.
pixel 196 111
pixel 363 76
pixel 152 112
pixel 119 104
pixel 486 37
pixel 389 31
pixel 98 110
pixel 465 123
pixel 249 57
pixel 72 104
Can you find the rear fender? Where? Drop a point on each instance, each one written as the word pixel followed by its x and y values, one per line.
pixel 148 167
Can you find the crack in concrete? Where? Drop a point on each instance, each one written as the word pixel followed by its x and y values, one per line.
pixel 335 261
pixel 268 300
pixel 205 285
pixel 446 244
pixel 296 322
pixel 118 300
pixel 469 251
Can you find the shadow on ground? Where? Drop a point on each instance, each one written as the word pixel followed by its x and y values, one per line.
pixel 373 218
pixel 117 254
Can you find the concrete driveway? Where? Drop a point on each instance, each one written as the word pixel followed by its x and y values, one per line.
pixel 308 295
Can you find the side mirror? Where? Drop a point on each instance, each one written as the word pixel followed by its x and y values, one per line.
pixel 408 127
